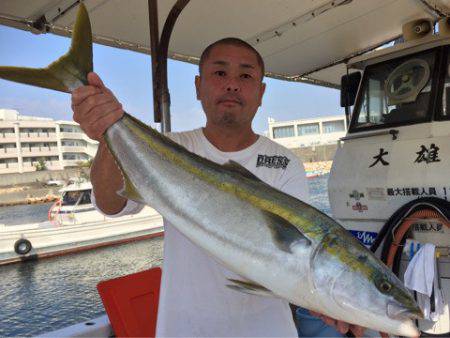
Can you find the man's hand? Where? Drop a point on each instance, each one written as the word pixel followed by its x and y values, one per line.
pixel 95 107
pixel 341 326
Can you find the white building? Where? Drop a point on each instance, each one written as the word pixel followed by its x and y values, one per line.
pixel 25 140
pixel 308 132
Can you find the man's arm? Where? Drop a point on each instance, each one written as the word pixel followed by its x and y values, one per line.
pixel 106 180
pixel 96 108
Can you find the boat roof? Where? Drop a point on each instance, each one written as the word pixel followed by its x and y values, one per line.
pixel 78 186
pixel 306 41
pixel 408 47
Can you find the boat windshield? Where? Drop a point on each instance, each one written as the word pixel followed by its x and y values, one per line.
pixel 395 92
pixel 76 197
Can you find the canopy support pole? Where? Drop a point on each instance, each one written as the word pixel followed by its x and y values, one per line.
pixel 154 43
pixel 159 51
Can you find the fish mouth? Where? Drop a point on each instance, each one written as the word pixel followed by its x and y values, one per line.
pixel 398 311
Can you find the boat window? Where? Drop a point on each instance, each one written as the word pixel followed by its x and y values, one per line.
pixel 86 198
pixel 444 112
pixel 71 197
pixel 395 92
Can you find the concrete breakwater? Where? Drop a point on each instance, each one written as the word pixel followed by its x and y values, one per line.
pixel 31 188
pixel 27 194
pixel 317 168
pixel 8 180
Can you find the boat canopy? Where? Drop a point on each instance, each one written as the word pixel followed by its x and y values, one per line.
pixel 306 41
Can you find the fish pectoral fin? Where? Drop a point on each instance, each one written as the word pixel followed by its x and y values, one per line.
pixel 285 234
pixel 250 288
pixel 129 191
pixel 69 71
pixel 237 168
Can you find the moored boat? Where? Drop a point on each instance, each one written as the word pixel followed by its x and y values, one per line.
pixel 75 225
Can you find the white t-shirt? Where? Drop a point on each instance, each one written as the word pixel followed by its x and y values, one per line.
pixel 194 299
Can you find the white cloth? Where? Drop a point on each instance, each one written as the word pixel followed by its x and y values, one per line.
pixel 421 276
pixel 194 299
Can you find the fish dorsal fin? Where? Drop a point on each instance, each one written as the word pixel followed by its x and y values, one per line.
pixel 285 234
pixel 237 168
pixel 250 288
pixel 69 71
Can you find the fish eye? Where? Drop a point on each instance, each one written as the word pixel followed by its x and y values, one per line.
pixel 385 286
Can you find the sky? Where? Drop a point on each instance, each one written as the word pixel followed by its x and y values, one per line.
pixel 128 75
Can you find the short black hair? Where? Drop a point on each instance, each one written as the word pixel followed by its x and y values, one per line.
pixel 233 42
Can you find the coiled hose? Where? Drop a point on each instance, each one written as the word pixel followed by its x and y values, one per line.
pixel 396 228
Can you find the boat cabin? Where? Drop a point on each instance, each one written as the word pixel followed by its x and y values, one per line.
pixel 396 149
pixel 75 197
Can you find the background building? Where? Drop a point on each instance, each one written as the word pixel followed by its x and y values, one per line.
pixel 25 141
pixel 313 139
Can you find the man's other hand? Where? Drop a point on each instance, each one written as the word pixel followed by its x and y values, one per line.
pixel 341 326
pixel 95 107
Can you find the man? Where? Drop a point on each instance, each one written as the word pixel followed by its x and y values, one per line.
pixel 194 299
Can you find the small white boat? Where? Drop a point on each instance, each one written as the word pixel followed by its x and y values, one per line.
pixel 75 225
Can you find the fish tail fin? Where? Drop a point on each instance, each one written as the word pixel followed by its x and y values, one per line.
pixel 69 71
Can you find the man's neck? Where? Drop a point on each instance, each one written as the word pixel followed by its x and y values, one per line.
pixel 227 139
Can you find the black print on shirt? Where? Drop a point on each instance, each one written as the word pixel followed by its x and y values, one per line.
pixel 276 162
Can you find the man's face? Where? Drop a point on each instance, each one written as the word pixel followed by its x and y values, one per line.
pixel 230 86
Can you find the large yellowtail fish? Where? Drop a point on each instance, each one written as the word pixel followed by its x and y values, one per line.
pixel 279 245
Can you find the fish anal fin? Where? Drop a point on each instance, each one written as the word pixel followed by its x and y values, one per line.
pixel 249 288
pixel 236 167
pixel 285 234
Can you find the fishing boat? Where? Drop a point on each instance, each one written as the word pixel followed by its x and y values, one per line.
pixel 74 225
pixel 397 148
pixel 388 184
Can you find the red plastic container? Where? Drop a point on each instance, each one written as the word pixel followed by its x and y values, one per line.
pixel 131 303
